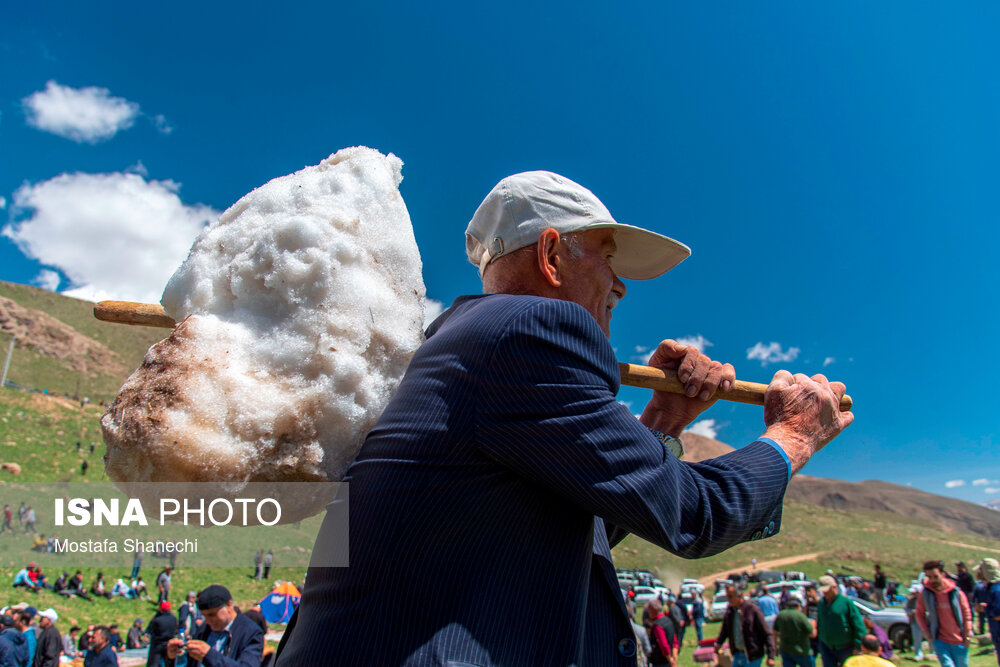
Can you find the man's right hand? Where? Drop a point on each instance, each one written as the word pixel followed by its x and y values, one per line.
pixel 803 414
pixel 174 647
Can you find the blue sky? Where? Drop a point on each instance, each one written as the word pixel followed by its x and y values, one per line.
pixel 834 167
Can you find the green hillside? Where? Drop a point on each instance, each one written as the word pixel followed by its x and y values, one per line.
pixel 34 365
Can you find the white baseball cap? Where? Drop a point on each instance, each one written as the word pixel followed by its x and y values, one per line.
pixel 50 614
pixel 520 207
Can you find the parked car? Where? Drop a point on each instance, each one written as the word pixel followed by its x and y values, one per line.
pixel 718 607
pixel 894 621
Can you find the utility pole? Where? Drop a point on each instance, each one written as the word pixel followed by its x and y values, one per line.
pixel 6 366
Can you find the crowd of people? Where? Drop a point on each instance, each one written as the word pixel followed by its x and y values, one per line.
pixel 942 607
pixel 208 629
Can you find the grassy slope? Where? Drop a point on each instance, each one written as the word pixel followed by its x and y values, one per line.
pixel 32 369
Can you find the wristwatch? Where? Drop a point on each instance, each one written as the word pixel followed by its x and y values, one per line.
pixel 673 445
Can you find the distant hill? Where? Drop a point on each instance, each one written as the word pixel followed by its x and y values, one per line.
pixel 949 513
pixel 62 348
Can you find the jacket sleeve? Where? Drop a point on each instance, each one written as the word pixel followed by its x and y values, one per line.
pixel 250 656
pixel 727 625
pixel 966 614
pixel 921 615
pixel 547 411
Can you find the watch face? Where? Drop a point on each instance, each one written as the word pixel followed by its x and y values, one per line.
pixel 675 447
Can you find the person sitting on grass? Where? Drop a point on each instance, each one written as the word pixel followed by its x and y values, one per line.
pixel 869 656
pixel 883 639
pixel 23 578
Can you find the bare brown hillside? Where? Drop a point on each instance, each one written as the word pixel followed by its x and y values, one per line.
pixel 950 513
pixel 56 339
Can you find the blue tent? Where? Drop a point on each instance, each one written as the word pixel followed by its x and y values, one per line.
pixel 279 605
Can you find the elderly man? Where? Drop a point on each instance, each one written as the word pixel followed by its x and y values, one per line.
pixel 228 638
pixel 839 623
pixel 505 459
pixel 100 653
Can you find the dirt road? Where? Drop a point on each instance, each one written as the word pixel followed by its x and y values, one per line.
pixel 709 579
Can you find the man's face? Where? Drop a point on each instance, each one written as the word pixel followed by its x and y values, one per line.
pixel 830 593
pixel 589 279
pixel 935 578
pixel 219 617
pixel 734 598
pixel 44 622
pixel 99 641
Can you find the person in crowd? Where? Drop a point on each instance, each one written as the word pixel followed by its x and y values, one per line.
pixel 698 614
pixel 30 519
pixel 23 578
pixel 980 593
pixel 87 639
pixel 189 616
pixel 115 638
pixel 255 615
pixel 812 613
pixel 794 631
pixel 76 587
pixel 13 645
pixel 883 639
pixel 98 588
pixel 7 518
pixel 268 563
pixel 944 616
pixel 747 631
pixel 25 622
pixel 100 653
pixel 137 556
pixel 39 543
pixel 963 579
pixel 768 605
pixel 136 637
pixel 679 615
pixel 258 565
pixel 228 638
pixel 869 656
pixel 139 589
pixel 989 571
pixel 69 641
pixel 122 589
pixel 661 629
pixel 49 640
pixel 838 623
pixel 62 585
pixel 21 511
pixel 879 581
pixel 163 584
pixel 161 629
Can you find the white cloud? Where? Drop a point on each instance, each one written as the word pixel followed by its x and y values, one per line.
pixel 161 124
pixel 698 341
pixel 642 355
pixel 828 361
pixel 47 279
pixel 3 203
pixel 114 236
pixel 991 490
pixel 432 308
pixel 85 115
pixel 769 354
pixel 955 483
pixel 705 427
pixel 983 481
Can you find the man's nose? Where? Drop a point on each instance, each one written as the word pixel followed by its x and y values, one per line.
pixel 618 288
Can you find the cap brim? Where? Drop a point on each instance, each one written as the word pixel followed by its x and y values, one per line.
pixel 644 255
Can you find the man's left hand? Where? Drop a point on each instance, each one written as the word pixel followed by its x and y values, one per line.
pixel 770 662
pixel 701 376
pixel 197 649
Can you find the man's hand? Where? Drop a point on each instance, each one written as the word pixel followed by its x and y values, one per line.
pixel 770 662
pixel 174 647
pixel 803 414
pixel 198 649
pixel 671 413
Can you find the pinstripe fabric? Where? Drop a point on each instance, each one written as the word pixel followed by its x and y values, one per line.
pixel 473 502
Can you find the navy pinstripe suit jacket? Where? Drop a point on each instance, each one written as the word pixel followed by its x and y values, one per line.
pixel 486 500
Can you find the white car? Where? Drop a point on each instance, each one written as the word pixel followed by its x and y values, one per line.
pixel 718 607
pixel 795 591
pixel 692 586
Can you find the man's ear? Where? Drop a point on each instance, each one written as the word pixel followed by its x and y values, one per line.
pixel 548 257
